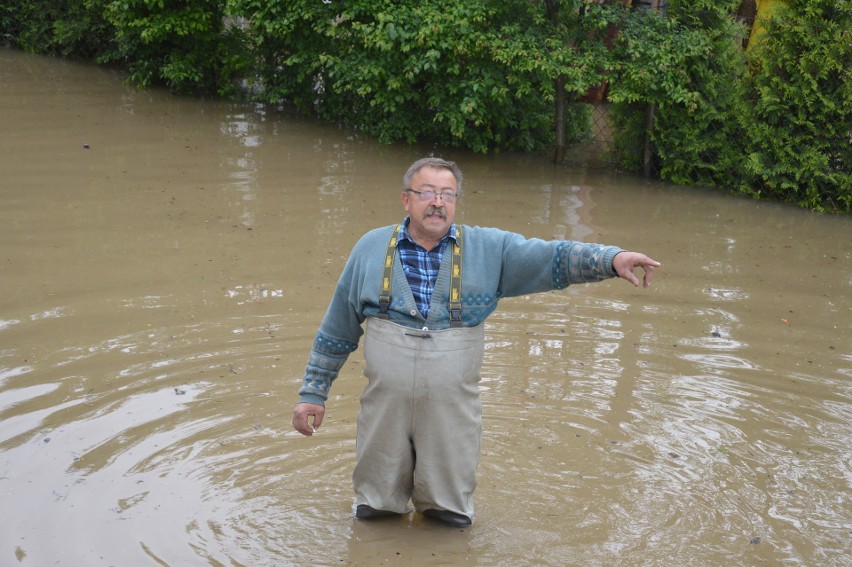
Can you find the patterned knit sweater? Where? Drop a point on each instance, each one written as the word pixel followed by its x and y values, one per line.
pixel 495 264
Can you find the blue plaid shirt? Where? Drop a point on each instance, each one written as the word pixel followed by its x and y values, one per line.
pixel 421 266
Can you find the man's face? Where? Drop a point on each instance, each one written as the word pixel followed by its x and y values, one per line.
pixel 431 218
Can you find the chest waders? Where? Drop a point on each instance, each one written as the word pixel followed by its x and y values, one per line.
pixel 420 426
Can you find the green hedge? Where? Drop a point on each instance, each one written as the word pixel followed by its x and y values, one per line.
pixel 773 122
pixel 796 107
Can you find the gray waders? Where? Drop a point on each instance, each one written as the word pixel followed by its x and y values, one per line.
pixel 420 425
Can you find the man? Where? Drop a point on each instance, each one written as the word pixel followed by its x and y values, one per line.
pixel 424 289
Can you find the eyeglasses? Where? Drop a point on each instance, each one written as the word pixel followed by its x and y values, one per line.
pixel 446 195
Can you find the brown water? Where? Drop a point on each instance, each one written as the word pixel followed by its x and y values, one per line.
pixel 166 262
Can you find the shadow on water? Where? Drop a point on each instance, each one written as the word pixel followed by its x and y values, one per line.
pixel 166 262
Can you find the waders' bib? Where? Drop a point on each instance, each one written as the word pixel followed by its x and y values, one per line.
pixel 420 424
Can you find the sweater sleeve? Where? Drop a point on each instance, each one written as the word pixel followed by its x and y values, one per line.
pixel 324 363
pixel 580 262
pixel 341 329
pixel 532 265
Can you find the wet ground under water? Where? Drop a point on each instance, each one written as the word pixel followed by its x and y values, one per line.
pixel 165 263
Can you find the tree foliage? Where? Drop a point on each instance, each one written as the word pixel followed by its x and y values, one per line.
pixel 773 122
pixel 406 70
pixel 193 47
pixel 797 107
pixel 687 64
pixel 56 27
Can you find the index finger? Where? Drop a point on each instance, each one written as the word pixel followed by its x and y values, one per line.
pixel 649 268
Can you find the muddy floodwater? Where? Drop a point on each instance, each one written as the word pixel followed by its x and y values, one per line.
pixel 165 263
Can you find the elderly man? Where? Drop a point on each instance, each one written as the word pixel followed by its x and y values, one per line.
pixel 424 289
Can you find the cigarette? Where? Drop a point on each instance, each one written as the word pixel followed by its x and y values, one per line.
pixel 314 429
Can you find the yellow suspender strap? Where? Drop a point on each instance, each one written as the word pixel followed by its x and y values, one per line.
pixel 456 281
pixel 387 274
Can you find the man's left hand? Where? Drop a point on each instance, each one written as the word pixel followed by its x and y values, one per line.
pixel 625 262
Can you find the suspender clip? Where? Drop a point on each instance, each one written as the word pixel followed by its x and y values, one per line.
pixel 384 303
pixel 455 315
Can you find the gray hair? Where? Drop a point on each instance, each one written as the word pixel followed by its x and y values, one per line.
pixel 437 163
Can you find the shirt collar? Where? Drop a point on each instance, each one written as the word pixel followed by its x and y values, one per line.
pixel 403 232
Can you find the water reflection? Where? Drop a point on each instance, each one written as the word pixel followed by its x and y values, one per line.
pixel 730 294
pixel 244 129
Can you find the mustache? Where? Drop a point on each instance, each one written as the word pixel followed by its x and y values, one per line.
pixel 432 210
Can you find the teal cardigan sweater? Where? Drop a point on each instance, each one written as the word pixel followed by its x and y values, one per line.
pixel 495 264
